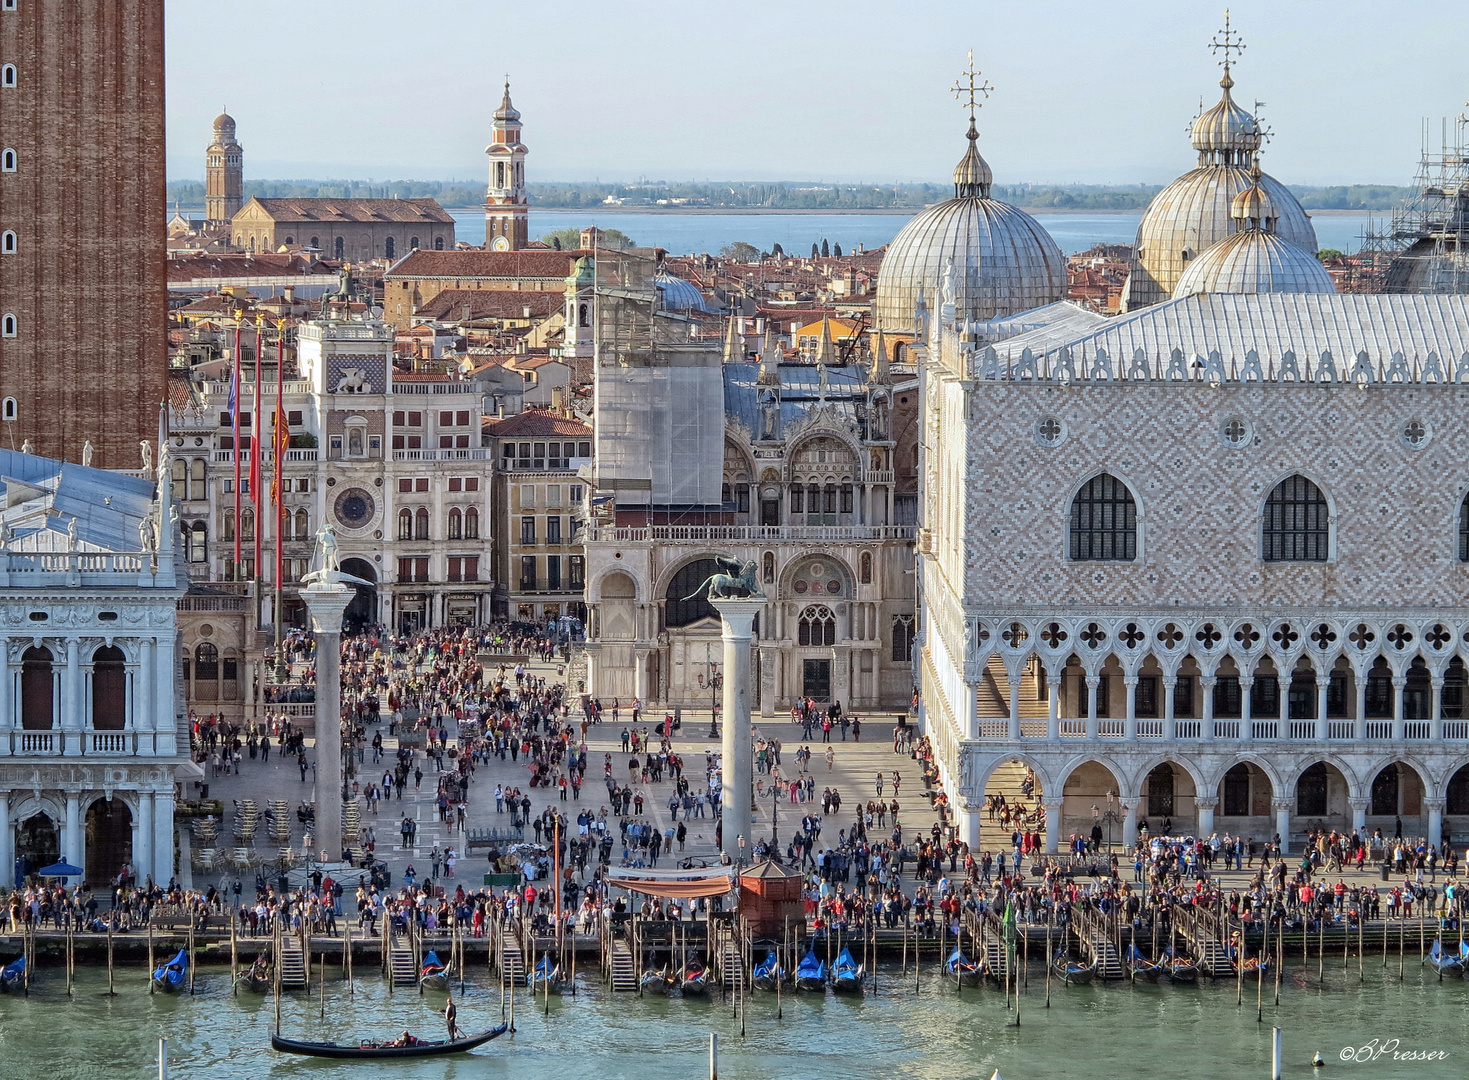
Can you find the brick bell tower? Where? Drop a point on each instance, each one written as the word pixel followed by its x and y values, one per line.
pixel 224 175
pixel 506 227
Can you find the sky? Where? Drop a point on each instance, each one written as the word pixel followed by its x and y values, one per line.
pixel 1084 92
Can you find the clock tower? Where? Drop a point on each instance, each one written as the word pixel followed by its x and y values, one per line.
pixel 506 228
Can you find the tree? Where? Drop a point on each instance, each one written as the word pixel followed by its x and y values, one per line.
pixel 825 251
pixel 569 239
pixel 836 249
pixel 739 251
pixel 815 251
pixel 777 251
pixel 1330 255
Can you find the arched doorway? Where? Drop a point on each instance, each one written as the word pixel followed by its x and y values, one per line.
pixel 362 611
pixel 683 605
pixel 1321 799
pixel 109 840
pixel 1169 801
pixel 37 844
pixel 1246 792
pixel 1396 795
pixel 1089 802
pixel 1018 784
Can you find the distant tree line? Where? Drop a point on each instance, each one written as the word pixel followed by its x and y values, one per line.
pixel 770 196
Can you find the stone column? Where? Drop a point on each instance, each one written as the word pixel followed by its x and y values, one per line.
pixel 143 842
pixel 767 660
pixel 327 603
pixel 1053 715
pixel 71 839
pixel 1129 823
pixel 1170 726
pixel 7 724
pixel 1129 722
pixel 1015 678
pixel 1206 692
pixel 640 674
pixel 1434 807
pixel 1435 713
pixel 970 823
pixel 1206 808
pixel 738 617
pixel 1053 825
pixel 162 837
pixel 1323 684
pixel 1282 824
pixel 71 698
pixel 7 836
pixel 1246 709
pixel 1092 683
pixel 1360 728
pixel 1359 814
pixel 969 702
pixel 1399 684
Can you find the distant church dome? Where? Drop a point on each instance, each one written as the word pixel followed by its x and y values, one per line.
pixel 1256 259
pixel 678 294
pixel 224 124
pixel 1003 260
pixel 1192 214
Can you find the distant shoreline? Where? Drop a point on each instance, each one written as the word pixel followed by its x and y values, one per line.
pixel 747 211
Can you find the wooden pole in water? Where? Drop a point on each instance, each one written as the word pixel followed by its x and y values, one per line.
pixel 321 981
pixel 234 957
pixel 1384 936
pixel 150 957
pixel 1361 937
pixel 277 943
pixel 1401 934
pixel 1050 920
pixel 68 955
pixel 347 945
pixel 110 991
pixel 1260 971
pixel 1239 963
pixel 193 958
pixel 1321 944
pixel 1279 957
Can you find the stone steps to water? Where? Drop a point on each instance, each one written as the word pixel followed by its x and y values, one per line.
pixel 402 970
pixel 624 971
pixel 293 966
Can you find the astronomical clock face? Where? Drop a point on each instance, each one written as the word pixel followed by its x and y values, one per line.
pixel 354 508
pixel 500 243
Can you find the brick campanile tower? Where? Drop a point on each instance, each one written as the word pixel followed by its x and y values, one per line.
pixel 83 288
pixel 224 175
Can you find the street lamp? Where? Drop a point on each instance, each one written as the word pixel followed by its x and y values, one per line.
pixel 713 681
pixel 1110 816
pixel 774 810
pixel 741 841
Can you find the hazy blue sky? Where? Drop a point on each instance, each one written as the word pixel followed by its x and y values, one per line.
pixel 1088 92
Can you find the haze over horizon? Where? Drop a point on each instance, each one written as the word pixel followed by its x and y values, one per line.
pixel 1080 96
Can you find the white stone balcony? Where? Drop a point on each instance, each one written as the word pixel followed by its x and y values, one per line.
pixel 751 534
pixel 75 744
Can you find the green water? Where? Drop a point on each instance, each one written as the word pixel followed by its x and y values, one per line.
pixel 1112 1030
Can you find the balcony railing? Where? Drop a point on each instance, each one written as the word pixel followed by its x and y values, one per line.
pixel 460 454
pixel 53 743
pixel 1264 729
pixel 758 534
pixel 35 742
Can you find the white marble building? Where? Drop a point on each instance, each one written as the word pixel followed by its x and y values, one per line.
pixel 1205 562
pixel 92 730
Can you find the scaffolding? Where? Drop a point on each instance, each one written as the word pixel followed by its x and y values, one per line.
pixel 1428 237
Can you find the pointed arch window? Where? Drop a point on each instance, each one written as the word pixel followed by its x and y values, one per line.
pixel 818 626
pixel 1297 525
pixel 1103 521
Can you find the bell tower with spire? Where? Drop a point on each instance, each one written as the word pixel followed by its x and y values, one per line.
pixel 224 175
pixel 506 227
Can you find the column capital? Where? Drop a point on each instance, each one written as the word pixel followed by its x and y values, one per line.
pixel 1359 804
pixel 1129 680
pixel 1206 804
pixel 1282 806
pixel 1433 806
pixel 1399 682
pixel 1170 682
pixel 1208 682
pixel 327 604
pixel 1093 681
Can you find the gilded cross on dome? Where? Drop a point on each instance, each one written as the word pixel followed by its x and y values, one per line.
pixel 966 86
pixel 1226 41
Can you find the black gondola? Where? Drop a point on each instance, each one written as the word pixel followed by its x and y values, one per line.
pixel 1140 967
pixel 419 1048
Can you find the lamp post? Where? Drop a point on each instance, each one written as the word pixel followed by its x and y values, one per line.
pixel 714 683
pixel 774 809
pixel 741 861
pixel 1110 816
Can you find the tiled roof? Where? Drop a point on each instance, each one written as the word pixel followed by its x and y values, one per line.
pixel 490 304
pixel 366 211
pixel 485 264
pixel 535 423
pixel 195 267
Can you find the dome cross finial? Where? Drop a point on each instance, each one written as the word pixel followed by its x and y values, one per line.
pixel 1226 41
pixel 966 87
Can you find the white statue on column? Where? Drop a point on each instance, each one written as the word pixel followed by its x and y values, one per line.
pixel 327 562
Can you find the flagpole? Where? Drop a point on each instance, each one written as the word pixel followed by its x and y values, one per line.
pixel 257 450
pixel 282 443
pixel 235 431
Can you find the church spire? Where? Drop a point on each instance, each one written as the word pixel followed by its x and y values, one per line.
pixel 506 205
pixel 972 176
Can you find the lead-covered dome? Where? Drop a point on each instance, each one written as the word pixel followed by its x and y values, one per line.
pixel 678 294
pixel 1226 133
pixel 1002 260
pixel 1256 259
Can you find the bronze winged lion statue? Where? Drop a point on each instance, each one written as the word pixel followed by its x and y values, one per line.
pixel 737 582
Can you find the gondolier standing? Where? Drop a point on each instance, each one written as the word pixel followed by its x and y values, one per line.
pixel 451 1015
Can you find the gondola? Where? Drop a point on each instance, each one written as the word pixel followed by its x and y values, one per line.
pixel 433 975
pixel 811 974
pixel 547 976
pixel 847 974
pixel 12 975
pixel 657 982
pixel 381 1050
pixel 965 970
pixel 769 974
pixel 1464 957
pixel 1072 973
pixel 1181 969
pixel 257 977
pixel 695 980
pixel 170 977
pixel 1442 961
pixel 1140 967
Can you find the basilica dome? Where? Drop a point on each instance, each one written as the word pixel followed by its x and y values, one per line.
pixel 1002 260
pixel 678 294
pixel 1256 259
pixel 1192 214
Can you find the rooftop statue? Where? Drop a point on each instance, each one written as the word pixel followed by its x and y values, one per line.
pixel 737 582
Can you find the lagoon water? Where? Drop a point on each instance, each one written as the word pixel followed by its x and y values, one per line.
pixel 1109 1031
pixel 682 233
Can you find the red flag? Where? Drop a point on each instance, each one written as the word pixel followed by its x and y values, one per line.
pixel 257 444
pixel 282 444
pixel 235 429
